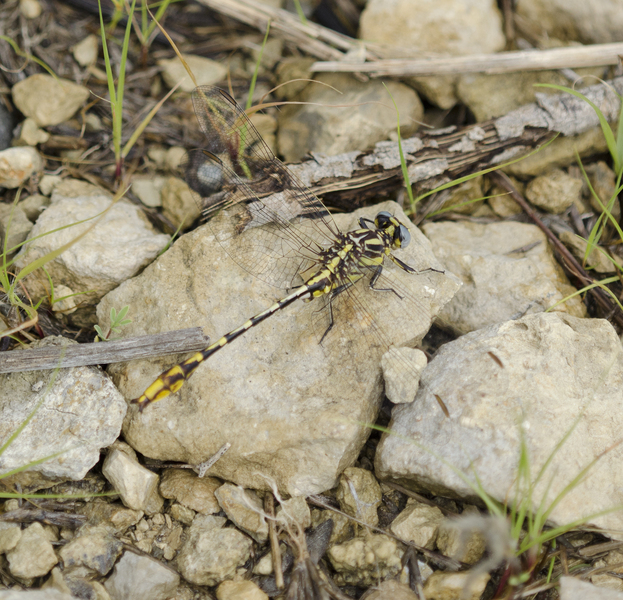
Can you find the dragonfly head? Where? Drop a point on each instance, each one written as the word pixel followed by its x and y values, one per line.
pixel 391 226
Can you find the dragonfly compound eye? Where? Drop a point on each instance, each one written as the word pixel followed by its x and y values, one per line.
pixel 383 220
pixel 403 235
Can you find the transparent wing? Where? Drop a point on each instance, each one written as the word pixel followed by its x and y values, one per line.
pixel 283 223
pixel 378 319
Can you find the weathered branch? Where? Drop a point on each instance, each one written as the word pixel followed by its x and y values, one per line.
pixel 437 156
pixel 573 57
pixel 103 353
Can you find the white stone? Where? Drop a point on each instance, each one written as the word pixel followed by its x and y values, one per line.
pixel 363 561
pixel 359 495
pixel 206 71
pixel 81 412
pixel 149 190
pixel 31 135
pixel 595 22
pixel 301 405
pixel 244 509
pixel 48 182
pixel 17 165
pixel 211 553
pixel 135 483
pixel 239 590
pixel 85 51
pixel 141 578
pixel 418 523
pixel 62 98
pixel 355 117
pixel 33 556
pixel 455 586
pixel 542 373
pixel 31 9
pixel 554 192
pixel 456 27
pixel 499 282
pixel 115 248
pixel 572 588
pixel 10 533
pixel 402 375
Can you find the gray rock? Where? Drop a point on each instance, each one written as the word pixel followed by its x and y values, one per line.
pixel 363 561
pixel 94 547
pixel 554 192
pixel 365 116
pixel 62 98
pixel 300 404
pixel 141 578
pixel 206 71
pixel 550 374
pixel 116 247
pixel 572 588
pixel 463 586
pixel 359 495
pixel 418 523
pixel 599 22
pixel 499 283
pixel 136 485
pixel 244 509
pixel 212 553
pixel 81 411
pixel 33 556
pixel 190 490
pixel 17 165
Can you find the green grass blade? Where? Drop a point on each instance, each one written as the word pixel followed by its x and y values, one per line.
pixel 27 56
pixel 257 69
pixel 403 162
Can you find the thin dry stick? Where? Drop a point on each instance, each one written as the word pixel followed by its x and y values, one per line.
pixel 570 263
pixel 311 38
pixel 269 508
pixel 103 353
pixel 573 57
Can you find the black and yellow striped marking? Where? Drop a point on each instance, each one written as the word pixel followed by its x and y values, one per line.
pixel 339 266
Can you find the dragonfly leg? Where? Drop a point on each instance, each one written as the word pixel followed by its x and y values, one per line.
pixel 374 279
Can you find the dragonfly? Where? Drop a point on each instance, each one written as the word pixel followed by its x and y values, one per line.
pixel 275 228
